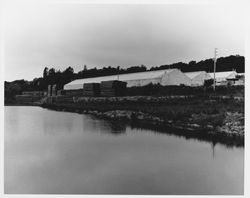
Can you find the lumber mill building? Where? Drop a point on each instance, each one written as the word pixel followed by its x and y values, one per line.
pixel 162 77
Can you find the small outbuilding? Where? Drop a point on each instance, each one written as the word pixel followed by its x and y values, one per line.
pixel 240 79
pixel 224 78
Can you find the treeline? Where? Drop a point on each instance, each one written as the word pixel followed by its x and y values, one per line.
pixel 228 63
pixel 107 71
pixel 52 76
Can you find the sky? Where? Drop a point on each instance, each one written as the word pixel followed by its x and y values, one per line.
pixel 60 35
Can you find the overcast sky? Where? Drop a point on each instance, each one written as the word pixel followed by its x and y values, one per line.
pixel 61 35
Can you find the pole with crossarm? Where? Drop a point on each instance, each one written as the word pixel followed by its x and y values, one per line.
pixel 215 55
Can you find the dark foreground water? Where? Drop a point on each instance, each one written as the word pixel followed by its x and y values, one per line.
pixel 57 152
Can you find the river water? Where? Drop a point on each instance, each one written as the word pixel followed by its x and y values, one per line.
pixel 50 152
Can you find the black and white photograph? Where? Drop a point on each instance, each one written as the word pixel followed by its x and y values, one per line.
pixel 124 98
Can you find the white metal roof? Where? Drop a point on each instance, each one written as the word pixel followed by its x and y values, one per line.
pixel 228 74
pixel 241 74
pixel 192 75
pixel 93 80
pixel 144 75
pixel 122 77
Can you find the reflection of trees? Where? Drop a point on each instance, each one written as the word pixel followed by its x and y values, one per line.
pixel 117 127
pixel 228 141
pixel 92 123
pixel 213 144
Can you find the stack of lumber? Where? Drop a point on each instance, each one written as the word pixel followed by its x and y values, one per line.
pixel 33 93
pixel 78 92
pixel 113 88
pixel 91 89
pixel 64 99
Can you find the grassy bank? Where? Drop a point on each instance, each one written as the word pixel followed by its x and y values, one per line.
pixel 205 113
pixel 190 108
pixel 159 90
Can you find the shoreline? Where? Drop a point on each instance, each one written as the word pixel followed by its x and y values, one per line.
pixel 158 111
pixel 16 104
pixel 155 124
pixel 164 128
pixel 206 116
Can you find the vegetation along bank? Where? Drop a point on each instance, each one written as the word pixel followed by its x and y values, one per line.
pixel 221 113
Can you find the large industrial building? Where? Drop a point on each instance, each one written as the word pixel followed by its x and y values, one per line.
pixel 162 77
pixel 166 77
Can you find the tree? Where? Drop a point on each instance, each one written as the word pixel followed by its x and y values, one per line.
pixel 66 76
pixel 11 89
pixel 45 72
pixel 118 70
pixel 85 68
pixel 69 71
pixel 192 63
pixel 52 72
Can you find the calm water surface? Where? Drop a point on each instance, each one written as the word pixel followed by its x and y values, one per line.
pixel 57 152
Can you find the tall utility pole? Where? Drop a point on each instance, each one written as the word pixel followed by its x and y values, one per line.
pixel 118 68
pixel 215 59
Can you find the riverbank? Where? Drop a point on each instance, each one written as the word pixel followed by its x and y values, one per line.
pixel 210 115
pixel 22 104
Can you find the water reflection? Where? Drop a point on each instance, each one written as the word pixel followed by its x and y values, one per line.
pixel 116 127
pixel 199 135
pixel 119 127
pixel 66 153
pixel 213 149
